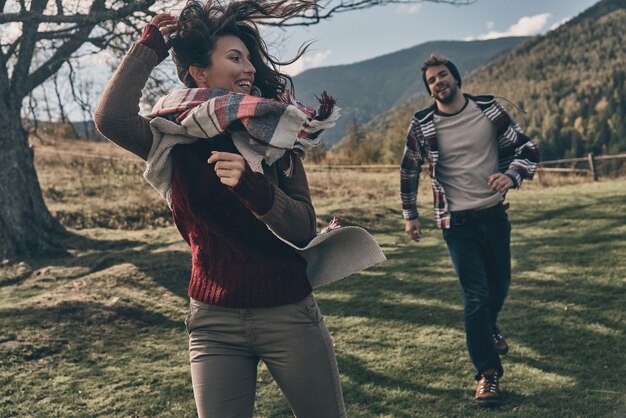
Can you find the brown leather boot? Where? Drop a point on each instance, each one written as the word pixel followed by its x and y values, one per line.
pixel 488 389
pixel 498 340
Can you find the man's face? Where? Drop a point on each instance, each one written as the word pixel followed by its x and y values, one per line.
pixel 442 84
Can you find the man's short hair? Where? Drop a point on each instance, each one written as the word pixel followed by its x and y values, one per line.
pixel 435 60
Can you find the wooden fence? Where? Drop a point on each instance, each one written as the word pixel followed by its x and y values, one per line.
pixel 589 166
pixel 590 161
pixel 586 166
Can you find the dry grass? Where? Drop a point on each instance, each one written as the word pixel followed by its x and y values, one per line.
pixel 97 184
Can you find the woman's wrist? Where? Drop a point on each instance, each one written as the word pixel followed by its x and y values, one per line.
pixel 255 191
pixel 153 39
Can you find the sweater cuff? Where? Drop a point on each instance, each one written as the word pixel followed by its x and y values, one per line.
pixel 153 39
pixel 515 178
pixel 144 54
pixel 410 214
pixel 255 192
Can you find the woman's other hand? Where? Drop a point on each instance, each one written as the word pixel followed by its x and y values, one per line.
pixel 229 167
pixel 154 34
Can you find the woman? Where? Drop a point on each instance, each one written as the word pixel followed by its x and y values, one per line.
pixel 250 298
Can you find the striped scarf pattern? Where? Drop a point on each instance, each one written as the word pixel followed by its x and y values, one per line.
pixel 269 128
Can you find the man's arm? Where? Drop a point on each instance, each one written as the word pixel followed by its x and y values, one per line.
pixel 525 158
pixel 410 169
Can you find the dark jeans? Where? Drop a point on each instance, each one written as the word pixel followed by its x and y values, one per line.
pixel 479 245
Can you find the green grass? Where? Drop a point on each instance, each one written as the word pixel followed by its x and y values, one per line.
pixel 101 334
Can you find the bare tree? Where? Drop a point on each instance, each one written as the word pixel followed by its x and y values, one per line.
pixel 37 38
pixel 328 8
pixel 84 96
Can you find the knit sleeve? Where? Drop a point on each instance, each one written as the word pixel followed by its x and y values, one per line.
pixel 117 113
pixel 255 191
pixel 292 215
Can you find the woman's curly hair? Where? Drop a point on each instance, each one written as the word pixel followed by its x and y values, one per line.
pixel 201 24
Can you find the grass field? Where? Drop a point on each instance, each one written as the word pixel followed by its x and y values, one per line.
pixel 100 334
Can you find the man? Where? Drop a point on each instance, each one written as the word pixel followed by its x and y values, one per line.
pixel 476 152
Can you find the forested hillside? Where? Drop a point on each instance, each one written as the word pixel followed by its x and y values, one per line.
pixel 367 88
pixel 571 82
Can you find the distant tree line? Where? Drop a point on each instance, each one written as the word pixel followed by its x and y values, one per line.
pixel 571 83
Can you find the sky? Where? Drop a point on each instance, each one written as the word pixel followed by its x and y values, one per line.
pixel 363 34
pixel 359 35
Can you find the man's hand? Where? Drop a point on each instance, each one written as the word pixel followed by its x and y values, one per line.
pixel 229 167
pixel 413 229
pixel 499 182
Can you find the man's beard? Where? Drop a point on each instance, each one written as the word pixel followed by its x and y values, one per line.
pixel 449 98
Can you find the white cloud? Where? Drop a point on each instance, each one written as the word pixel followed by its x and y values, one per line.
pixel 490 25
pixel 525 26
pixel 306 62
pixel 560 22
pixel 408 8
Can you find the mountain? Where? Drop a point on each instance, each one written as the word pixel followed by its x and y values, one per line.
pixel 571 82
pixel 367 88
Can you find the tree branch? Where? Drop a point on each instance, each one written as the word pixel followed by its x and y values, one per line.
pixel 55 62
pixel 4 74
pixel 26 82
pixel 59 33
pixel 83 19
pixel 32 106
pixel 97 14
pixel 330 8
pixel 59 4
pixel 6 56
pixel 26 49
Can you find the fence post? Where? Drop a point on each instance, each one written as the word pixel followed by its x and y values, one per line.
pixel 592 167
pixel 540 174
pixel 329 176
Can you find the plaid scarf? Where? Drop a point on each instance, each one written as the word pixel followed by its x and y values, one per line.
pixel 269 128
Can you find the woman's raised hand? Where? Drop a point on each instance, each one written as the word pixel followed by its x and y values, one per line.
pixel 156 31
pixel 165 22
pixel 229 167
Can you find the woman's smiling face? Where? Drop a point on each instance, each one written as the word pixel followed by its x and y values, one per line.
pixel 230 67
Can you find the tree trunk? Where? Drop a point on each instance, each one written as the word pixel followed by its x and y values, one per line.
pixel 27 229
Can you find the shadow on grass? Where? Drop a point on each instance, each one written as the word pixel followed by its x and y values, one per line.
pixel 16 280
pixel 170 268
pixel 79 359
pixel 596 208
pixel 570 322
pixel 369 388
pixel 76 330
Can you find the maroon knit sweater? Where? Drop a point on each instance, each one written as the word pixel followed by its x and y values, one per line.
pixel 236 261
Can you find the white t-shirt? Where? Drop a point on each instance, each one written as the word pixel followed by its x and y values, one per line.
pixel 468 155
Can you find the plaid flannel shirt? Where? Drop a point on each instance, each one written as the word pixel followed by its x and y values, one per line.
pixel 518 156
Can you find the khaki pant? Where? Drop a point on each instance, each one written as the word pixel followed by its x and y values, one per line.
pixel 225 346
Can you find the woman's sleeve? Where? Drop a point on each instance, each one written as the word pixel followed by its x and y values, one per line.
pixel 285 207
pixel 117 113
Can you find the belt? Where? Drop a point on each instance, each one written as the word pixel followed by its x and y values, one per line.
pixel 478 213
